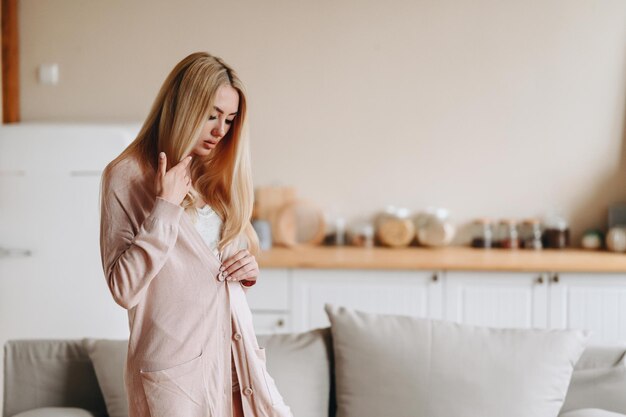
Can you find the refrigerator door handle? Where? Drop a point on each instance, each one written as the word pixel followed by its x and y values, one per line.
pixel 14 253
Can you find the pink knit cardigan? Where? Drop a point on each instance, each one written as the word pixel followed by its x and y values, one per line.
pixel 184 318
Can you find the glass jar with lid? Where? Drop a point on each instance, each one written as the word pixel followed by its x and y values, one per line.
pixel 394 227
pixel 531 234
pixel 557 233
pixel 434 227
pixel 482 233
pixel 509 234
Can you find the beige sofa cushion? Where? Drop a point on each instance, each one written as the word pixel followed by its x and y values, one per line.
pixel 109 360
pixel 300 363
pixel 397 366
pixel 49 373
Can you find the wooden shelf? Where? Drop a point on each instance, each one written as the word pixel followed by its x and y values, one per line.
pixel 451 258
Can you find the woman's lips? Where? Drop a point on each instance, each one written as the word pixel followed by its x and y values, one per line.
pixel 209 144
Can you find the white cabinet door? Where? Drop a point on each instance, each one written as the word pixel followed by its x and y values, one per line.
pixel 271 292
pixel 593 301
pixel 415 293
pixel 497 299
pixel 270 302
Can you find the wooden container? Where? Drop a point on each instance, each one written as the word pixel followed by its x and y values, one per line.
pixel 395 232
pixel 298 222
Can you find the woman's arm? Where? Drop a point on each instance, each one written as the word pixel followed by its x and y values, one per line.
pixel 130 261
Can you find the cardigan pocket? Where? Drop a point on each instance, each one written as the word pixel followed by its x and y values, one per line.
pixel 176 391
pixel 270 385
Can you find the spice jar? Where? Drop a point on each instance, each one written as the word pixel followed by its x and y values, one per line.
pixel 531 234
pixel 482 233
pixel 509 236
pixel 557 234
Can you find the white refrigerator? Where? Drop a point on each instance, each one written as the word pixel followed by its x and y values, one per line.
pixel 51 280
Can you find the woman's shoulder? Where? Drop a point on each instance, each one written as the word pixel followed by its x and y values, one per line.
pixel 123 173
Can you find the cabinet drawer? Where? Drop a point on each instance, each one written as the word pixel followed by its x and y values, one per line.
pixel 267 323
pixel 271 292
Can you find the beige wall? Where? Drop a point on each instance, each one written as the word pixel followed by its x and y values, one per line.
pixel 487 107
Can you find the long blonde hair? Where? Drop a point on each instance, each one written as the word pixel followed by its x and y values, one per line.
pixel 173 126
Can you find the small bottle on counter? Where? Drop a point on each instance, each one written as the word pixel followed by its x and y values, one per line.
pixel 482 233
pixel 509 235
pixel 264 232
pixel 531 234
pixel 340 231
pixel 337 234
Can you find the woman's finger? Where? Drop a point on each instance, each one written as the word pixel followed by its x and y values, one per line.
pixel 162 163
pixel 245 272
pixel 236 257
pixel 238 264
pixel 183 164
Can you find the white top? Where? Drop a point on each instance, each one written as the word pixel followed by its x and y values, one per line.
pixel 209 225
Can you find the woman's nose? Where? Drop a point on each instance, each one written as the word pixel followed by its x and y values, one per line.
pixel 218 131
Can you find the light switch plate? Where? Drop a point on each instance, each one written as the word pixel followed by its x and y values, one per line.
pixel 49 74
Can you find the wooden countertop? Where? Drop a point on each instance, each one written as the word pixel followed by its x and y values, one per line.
pixel 450 258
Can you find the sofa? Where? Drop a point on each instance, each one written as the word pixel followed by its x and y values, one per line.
pixel 84 377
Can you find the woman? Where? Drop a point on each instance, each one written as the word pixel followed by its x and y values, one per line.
pixel 178 249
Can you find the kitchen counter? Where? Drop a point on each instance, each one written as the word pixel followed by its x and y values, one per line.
pixel 450 258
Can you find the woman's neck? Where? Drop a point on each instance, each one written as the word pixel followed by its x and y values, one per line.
pixel 199 200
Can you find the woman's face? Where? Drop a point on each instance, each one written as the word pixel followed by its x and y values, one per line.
pixel 220 119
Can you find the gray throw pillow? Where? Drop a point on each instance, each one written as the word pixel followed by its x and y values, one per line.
pixel 599 380
pixel 300 364
pixel 109 360
pixel 402 366
pixel 49 373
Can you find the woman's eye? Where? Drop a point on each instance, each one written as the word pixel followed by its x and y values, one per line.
pixel 228 122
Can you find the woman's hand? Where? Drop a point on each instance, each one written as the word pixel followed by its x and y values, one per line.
pixel 242 266
pixel 172 185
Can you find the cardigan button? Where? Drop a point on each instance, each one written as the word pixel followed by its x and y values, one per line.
pixel 237 336
pixel 247 391
pixel 220 276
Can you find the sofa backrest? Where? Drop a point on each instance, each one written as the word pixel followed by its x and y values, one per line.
pixel 45 373
pixel 49 373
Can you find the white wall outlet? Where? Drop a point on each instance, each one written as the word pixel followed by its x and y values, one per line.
pixel 49 74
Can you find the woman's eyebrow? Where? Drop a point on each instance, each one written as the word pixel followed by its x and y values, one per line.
pixel 222 111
